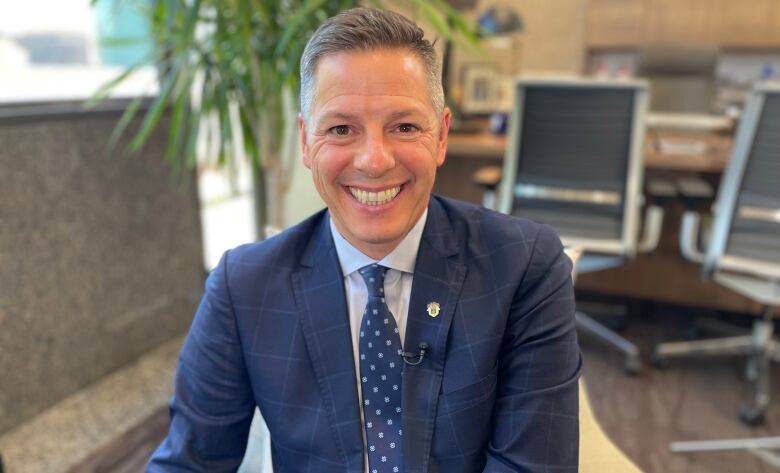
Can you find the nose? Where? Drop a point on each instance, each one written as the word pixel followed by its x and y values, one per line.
pixel 375 156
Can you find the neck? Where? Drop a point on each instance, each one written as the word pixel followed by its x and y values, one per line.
pixel 375 251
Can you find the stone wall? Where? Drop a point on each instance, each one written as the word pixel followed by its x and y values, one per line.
pixel 100 256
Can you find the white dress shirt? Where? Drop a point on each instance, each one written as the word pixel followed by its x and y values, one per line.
pixel 398 284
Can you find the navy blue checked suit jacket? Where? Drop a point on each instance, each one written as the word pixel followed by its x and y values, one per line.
pixel 496 392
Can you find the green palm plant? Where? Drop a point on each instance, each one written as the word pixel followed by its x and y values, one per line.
pixel 236 62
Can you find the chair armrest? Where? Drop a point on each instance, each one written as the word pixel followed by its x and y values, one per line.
pixel 574 253
pixel 651 233
pixel 689 236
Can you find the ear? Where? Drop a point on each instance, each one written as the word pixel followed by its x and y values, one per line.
pixel 304 144
pixel 444 130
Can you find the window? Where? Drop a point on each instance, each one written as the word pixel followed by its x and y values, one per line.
pixel 52 50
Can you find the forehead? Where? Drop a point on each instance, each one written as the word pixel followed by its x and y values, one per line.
pixel 387 73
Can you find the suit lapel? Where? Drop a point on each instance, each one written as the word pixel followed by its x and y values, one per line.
pixel 438 278
pixel 320 296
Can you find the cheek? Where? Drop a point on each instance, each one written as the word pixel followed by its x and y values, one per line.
pixel 424 166
pixel 325 171
pixel 317 176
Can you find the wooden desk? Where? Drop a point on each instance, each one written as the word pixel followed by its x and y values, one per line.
pixel 466 153
pixel 717 149
pixel 477 145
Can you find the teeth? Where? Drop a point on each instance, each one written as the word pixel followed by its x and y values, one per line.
pixel 375 198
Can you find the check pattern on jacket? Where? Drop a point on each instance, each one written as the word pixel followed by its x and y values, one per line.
pixel 497 391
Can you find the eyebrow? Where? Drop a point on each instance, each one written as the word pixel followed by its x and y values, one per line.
pixel 401 114
pixel 346 116
pixel 338 115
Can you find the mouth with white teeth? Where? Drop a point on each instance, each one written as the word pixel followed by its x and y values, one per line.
pixel 374 198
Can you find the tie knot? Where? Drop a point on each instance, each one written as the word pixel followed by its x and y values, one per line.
pixel 374 276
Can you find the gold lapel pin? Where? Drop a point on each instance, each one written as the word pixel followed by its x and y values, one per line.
pixel 433 309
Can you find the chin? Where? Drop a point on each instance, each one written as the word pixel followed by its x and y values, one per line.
pixel 379 239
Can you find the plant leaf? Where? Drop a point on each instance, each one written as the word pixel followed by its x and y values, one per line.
pixel 127 117
pixel 178 112
pixel 105 89
pixel 292 26
pixel 436 20
pixel 154 113
pixel 190 153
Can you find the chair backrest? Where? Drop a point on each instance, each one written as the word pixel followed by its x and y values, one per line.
pixel 746 228
pixel 574 160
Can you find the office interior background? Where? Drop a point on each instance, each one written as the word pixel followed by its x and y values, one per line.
pixel 647 132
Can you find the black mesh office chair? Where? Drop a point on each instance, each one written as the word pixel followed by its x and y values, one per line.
pixel 574 161
pixel 743 253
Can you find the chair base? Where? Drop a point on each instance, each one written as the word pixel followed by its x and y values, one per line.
pixel 759 347
pixel 632 364
pixel 760 446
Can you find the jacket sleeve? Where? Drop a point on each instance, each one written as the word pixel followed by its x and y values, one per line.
pixel 212 405
pixel 535 418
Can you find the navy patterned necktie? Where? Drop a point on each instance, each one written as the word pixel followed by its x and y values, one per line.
pixel 380 375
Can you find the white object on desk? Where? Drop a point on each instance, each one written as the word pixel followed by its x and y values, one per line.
pixel 689 122
pixel 682 146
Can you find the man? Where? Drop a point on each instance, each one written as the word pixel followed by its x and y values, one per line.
pixel 394 331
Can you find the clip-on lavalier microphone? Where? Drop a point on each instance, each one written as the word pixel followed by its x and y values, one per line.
pixel 423 347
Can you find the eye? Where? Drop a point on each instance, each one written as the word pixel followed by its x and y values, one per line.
pixel 407 128
pixel 341 130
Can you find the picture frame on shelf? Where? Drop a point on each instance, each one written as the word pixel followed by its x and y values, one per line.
pixel 480 89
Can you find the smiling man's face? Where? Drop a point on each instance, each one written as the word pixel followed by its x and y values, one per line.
pixel 373 143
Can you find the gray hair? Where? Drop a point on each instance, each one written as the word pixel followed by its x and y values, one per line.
pixel 368 29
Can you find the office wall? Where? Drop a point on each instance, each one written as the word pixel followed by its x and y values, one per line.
pixel 558 34
pixel 724 23
pixel 553 36
pixel 100 257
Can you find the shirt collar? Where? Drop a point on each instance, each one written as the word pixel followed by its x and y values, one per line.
pixel 402 258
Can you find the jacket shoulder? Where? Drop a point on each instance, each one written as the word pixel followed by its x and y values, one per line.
pixel 495 228
pixel 281 251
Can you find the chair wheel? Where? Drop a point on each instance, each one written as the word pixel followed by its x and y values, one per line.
pixel 632 365
pixel 659 361
pixel 751 415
